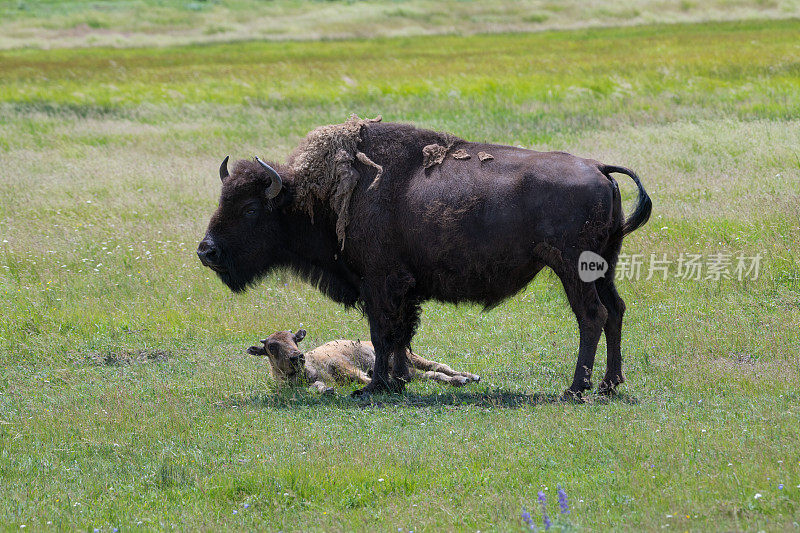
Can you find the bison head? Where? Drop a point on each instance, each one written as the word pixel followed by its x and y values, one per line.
pixel 244 237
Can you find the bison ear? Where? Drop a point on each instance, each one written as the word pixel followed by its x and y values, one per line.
pixel 223 169
pixel 300 335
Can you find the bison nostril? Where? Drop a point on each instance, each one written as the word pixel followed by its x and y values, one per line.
pixel 208 252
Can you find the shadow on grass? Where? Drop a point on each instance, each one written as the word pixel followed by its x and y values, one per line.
pixel 492 399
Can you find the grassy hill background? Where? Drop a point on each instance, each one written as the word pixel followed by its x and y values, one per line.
pixel 121 23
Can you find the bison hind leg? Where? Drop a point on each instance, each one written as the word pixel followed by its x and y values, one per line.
pixel 613 330
pixel 591 315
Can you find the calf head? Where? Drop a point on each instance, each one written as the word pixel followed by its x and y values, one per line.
pixel 285 357
pixel 245 237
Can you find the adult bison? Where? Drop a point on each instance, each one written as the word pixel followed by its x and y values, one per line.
pixel 386 216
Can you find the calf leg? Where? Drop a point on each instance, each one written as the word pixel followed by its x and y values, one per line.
pixel 591 316
pixel 353 374
pixel 441 377
pixel 420 363
pixel 321 387
pixel 613 330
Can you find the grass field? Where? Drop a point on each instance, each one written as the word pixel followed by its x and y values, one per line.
pixel 126 400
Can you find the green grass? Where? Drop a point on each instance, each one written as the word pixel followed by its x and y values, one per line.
pixel 109 164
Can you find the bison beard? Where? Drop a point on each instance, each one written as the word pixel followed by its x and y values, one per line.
pixel 427 216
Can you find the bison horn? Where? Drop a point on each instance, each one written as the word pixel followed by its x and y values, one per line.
pixel 223 169
pixel 277 183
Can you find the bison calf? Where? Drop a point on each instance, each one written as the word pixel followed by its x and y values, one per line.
pixel 341 361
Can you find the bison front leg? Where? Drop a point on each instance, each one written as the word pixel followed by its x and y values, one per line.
pixel 385 351
pixel 393 316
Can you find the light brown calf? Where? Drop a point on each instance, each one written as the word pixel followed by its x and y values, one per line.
pixel 341 361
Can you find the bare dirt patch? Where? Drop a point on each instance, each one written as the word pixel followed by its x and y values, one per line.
pixel 126 357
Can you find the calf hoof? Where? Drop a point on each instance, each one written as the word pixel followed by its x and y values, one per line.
pixel 571 396
pixel 471 377
pixel 459 381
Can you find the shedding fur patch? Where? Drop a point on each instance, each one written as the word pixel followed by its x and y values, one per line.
pixel 461 154
pixel 434 154
pixel 485 156
pixel 323 168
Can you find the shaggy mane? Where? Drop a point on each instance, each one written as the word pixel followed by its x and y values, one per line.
pixel 322 166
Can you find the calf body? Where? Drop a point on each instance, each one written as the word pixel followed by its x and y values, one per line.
pixel 342 362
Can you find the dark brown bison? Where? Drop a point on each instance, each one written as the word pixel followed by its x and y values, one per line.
pixel 386 216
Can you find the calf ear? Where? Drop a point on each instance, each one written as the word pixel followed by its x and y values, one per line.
pixel 256 350
pixel 300 335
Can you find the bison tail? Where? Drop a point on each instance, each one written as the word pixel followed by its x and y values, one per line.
pixel 644 206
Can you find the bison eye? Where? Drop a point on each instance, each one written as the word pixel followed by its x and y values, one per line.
pixel 250 211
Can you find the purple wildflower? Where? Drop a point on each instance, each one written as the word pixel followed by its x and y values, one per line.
pixel 780 486
pixel 545 519
pixel 563 503
pixel 526 517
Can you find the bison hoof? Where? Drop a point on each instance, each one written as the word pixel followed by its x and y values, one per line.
pixel 397 386
pixel 361 394
pixel 571 396
pixel 607 388
pixel 375 387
